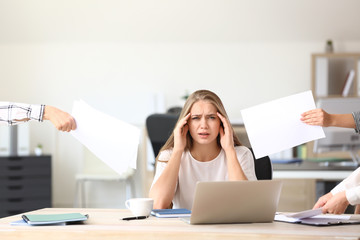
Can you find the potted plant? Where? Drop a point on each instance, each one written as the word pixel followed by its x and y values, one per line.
pixel 38 150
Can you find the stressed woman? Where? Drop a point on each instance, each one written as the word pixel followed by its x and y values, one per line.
pixel 202 147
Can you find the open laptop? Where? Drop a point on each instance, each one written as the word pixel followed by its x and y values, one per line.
pixel 235 202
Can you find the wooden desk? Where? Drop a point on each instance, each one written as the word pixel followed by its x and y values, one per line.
pixel 104 224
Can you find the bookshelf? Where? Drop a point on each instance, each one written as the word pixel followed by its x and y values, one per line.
pixel 331 71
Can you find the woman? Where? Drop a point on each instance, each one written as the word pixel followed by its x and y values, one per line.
pixel 202 147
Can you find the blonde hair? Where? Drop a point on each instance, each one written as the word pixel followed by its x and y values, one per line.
pixel 204 95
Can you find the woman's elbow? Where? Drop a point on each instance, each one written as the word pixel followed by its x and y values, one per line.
pixel 161 204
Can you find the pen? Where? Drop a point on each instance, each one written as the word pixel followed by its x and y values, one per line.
pixel 134 218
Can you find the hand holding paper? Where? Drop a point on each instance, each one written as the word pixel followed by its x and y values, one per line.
pixel 275 126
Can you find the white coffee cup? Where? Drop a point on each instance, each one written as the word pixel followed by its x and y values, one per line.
pixel 140 206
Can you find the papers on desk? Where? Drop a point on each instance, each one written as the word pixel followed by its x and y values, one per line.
pixel 316 218
pixel 111 140
pixel 275 126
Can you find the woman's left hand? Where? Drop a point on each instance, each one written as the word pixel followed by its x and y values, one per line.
pixel 226 134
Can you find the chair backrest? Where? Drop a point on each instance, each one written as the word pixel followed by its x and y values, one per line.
pixel 263 167
pixel 159 128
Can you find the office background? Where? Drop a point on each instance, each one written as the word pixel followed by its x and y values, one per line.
pixel 129 58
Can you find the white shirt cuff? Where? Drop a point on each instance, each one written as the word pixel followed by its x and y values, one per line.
pixel 339 188
pixel 37 112
pixel 353 195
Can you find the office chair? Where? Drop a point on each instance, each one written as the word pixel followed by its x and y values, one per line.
pixel 263 167
pixel 159 128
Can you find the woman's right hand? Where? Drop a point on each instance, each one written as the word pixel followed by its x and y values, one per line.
pixel 180 132
pixel 323 200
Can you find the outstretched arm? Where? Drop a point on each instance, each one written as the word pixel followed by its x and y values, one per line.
pixel 15 113
pixel 319 117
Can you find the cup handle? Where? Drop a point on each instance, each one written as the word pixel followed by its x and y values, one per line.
pixel 127 204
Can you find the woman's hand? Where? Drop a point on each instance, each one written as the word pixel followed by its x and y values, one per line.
pixel 180 132
pixel 63 121
pixel 323 200
pixel 226 134
pixel 316 117
pixel 337 204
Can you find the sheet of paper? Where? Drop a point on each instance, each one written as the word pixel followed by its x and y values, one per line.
pixel 275 126
pixel 306 213
pixel 111 140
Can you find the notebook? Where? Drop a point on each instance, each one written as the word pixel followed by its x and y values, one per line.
pixel 171 213
pixel 235 202
pixel 50 219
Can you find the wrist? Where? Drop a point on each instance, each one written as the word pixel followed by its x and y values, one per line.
pixel 333 120
pixel 46 112
pixel 230 153
pixel 229 150
pixel 177 150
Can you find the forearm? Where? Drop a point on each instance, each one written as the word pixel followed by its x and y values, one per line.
pixel 163 189
pixel 342 120
pixel 13 113
pixel 235 171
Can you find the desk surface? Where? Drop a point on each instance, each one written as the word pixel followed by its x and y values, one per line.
pixel 105 224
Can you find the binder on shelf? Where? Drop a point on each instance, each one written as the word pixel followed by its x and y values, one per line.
pixel 322 77
pixel 348 82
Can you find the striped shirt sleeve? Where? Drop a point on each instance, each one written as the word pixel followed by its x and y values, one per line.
pixel 14 113
pixel 356 116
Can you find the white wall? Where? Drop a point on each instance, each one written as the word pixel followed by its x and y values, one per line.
pixel 247 51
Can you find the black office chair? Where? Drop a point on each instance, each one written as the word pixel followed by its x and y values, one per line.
pixel 263 167
pixel 159 128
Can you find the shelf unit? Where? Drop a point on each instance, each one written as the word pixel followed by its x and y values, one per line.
pixel 330 71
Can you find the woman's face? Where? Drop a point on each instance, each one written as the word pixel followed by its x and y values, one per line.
pixel 204 124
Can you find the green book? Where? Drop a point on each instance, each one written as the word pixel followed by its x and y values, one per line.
pixel 47 219
pixel 327 159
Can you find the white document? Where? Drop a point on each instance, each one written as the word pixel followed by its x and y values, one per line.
pixel 275 126
pixel 305 214
pixel 315 217
pixel 111 140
